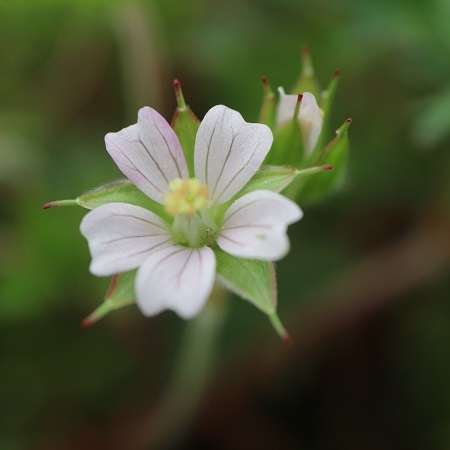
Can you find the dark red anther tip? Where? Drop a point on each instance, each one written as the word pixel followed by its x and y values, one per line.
pixel 176 84
pixel 337 73
pixel 327 167
pixel 349 120
pixel 305 50
pixel 264 80
pixel 299 98
pixel 48 205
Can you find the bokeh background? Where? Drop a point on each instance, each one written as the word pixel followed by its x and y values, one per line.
pixel 364 291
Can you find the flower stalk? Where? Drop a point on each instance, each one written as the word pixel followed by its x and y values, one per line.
pixel 191 376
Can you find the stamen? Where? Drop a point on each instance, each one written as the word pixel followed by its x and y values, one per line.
pixel 186 197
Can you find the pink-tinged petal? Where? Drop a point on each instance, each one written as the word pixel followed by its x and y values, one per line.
pixel 229 151
pixel 309 116
pixel 148 153
pixel 176 278
pixel 121 236
pixel 255 226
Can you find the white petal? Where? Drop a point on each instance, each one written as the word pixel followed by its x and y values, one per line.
pixel 255 226
pixel 121 236
pixel 176 278
pixel 309 117
pixel 148 153
pixel 229 151
pixel 285 108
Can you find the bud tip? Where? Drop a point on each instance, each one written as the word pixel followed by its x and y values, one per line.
pixel 176 84
pixel 299 98
pixel 327 167
pixel 337 73
pixel 349 120
pixel 264 80
pixel 48 205
pixel 305 50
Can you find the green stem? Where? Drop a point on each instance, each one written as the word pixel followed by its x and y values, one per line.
pixel 191 376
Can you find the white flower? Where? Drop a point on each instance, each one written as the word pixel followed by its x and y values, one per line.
pixel 309 116
pixel 175 259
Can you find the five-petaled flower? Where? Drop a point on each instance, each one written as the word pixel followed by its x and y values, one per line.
pixel 174 254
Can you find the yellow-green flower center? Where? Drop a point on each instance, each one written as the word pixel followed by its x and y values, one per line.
pixel 185 197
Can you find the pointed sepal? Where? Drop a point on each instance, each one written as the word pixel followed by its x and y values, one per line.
pixel 119 295
pixel 267 114
pixel 185 124
pixel 270 178
pixel 336 153
pixel 252 280
pixel 122 191
pixel 326 102
pixel 307 82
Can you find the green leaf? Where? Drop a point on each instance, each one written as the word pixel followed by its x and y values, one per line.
pixel 185 124
pixel 250 279
pixel 120 294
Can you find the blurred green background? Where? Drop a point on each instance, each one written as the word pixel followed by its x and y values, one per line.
pixel 364 291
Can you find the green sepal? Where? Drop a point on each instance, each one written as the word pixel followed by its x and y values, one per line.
pixel 267 114
pixel 336 154
pixel 122 191
pixel 307 81
pixel 119 295
pixel 185 124
pixel 269 178
pixel 295 187
pixel 252 280
pixel 327 98
pixel 288 146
